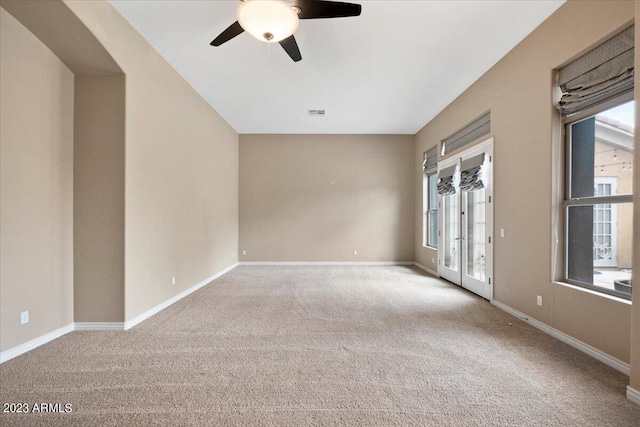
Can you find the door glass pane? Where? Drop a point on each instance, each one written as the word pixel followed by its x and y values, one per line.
pixel 604 254
pixel 476 234
pixel 451 229
pixel 604 248
pixel 433 228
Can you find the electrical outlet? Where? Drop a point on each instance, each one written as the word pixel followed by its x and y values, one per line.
pixel 355 252
pixel 433 260
pixel 244 252
pixel 502 232
pixel 539 300
pixel 24 317
pixel 173 280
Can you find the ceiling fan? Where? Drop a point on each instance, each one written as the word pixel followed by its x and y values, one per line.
pixel 276 20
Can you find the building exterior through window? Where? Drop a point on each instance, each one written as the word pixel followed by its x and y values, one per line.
pixel 599 208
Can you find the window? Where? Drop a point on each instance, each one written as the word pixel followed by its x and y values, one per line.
pixel 432 211
pixel 430 198
pixel 471 132
pixel 598 201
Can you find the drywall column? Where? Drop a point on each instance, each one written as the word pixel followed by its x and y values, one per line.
pixel 181 178
pixel 36 187
pixel 99 154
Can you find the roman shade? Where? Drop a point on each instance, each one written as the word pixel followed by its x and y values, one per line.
pixel 446 186
pixel 471 174
pixel 599 75
pixel 430 162
pixel 474 130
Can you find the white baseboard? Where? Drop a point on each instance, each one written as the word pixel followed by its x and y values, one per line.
pixel 348 263
pixel 104 326
pixel 98 326
pixel 36 342
pixel 533 322
pixel 131 323
pixel 633 395
pixel 428 270
pixel 603 357
pixel 318 263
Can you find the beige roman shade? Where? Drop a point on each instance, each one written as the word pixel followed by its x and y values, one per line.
pixel 446 185
pixel 471 173
pixel 471 132
pixel 599 75
pixel 430 162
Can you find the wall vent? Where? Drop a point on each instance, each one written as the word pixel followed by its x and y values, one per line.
pixel 316 113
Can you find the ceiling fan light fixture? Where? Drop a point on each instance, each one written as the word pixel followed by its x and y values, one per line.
pixel 268 20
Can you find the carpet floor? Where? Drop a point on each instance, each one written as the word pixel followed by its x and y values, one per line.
pixel 301 345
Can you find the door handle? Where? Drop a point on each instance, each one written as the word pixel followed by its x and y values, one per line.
pixel 459 238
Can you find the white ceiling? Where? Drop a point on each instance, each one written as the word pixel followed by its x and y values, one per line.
pixel 389 71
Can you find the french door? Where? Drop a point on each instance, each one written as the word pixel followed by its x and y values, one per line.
pixel 465 238
pixel 605 233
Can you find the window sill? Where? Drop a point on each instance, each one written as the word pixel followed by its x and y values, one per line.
pixel 592 292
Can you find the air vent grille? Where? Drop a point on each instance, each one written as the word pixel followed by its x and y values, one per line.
pixel 317 113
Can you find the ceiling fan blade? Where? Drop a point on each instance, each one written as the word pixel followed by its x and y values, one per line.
pixel 316 9
pixel 291 47
pixel 233 30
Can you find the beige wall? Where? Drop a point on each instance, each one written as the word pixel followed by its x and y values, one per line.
pixel 634 379
pixel 98 207
pixel 180 172
pixel 518 91
pixel 36 186
pixel 320 197
pixel 181 188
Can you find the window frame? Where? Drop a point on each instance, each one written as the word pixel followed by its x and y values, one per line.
pixel 569 202
pixel 427 212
